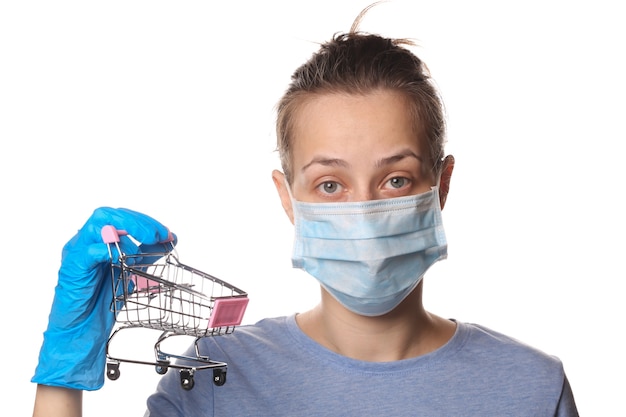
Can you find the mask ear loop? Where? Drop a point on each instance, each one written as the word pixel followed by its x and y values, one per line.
pixel 435 188
pixel 437 183
pixel 289 190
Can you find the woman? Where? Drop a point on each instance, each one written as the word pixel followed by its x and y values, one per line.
pixel 361 139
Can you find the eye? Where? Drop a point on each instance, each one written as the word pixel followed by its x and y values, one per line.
pixel 329 187
pixel 398 182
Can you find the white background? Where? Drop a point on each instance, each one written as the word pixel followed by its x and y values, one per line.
pixel 167 108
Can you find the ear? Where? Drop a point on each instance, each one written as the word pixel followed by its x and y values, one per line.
pixel 444 181
pixel 285 199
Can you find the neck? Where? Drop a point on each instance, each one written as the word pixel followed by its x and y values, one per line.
pixel 408 331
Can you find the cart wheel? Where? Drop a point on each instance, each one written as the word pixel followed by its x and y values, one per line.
pixel 162 367
pixel 113 371
pixel 219 377
pixel 186 379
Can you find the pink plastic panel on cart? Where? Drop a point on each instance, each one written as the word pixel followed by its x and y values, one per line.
pixel 144 284
pixel 228 312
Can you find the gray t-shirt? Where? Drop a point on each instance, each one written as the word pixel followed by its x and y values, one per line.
pixel 276 370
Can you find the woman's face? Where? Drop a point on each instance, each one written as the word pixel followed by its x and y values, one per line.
pixel 357 148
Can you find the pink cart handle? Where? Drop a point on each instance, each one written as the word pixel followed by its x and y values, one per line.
pixel 112 235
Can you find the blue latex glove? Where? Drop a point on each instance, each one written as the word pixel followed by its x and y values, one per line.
pixel 73 353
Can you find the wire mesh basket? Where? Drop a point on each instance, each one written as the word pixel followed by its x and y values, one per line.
pixel 156 291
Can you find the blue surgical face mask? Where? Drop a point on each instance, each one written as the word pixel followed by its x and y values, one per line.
pixel 369 255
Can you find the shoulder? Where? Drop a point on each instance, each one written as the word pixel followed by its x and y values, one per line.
pixel 267 328
pixel 250 353
pixel 508 355
pixel 484 337
pixel 267 335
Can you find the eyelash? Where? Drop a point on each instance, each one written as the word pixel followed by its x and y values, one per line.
pixel 323 187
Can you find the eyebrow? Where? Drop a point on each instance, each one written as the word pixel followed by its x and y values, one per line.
pixel 321 160
pixel 336 162
pixel 398 157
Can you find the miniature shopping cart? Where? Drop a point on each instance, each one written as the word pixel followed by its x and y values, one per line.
pixel 156 291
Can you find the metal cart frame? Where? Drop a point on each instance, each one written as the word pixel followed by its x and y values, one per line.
pixel 156 291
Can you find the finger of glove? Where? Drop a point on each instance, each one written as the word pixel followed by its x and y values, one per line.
pixel 157 250
pixel 148 253
pixel 141 227
pixel 80 257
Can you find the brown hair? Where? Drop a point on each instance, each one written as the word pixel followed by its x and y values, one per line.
pixel 359 63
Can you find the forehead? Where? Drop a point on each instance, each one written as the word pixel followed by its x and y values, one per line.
pixel 344 123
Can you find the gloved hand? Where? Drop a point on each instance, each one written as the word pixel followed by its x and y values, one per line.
pixel 73 353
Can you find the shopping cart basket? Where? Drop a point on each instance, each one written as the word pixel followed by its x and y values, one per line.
pixel 156 291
